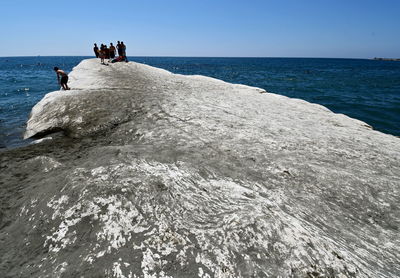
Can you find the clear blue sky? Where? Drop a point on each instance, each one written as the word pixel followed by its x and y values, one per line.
pixel 263 28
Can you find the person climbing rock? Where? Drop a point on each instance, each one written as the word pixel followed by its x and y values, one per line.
pixel 64 78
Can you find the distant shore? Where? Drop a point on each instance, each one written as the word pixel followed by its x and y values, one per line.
pixel 386 59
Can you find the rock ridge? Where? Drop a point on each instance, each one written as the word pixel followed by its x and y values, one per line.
pixel 166 175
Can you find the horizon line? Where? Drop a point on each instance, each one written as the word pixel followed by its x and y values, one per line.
pixel 166 56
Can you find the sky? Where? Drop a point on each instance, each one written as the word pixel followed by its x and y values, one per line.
pixel 210 28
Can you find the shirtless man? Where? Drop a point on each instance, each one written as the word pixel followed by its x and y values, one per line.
pixel 112 51
pixel 119 48
pixel 64 78
pixel 96 50
pixel 123 51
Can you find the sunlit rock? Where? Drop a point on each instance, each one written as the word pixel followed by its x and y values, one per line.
pixel 189 176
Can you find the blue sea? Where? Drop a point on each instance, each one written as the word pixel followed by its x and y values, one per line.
pixel 367 90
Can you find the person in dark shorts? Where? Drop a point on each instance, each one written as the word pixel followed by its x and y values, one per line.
pixel 119 48
pixel 96 50
pixel 106 52
pixel 64 78
pixel 123 51
pixel 102 54
pixel 112 51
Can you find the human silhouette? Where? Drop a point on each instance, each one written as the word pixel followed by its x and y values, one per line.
pixel 96 50
pixel 112 51
pixel 64 78
pixel 123 51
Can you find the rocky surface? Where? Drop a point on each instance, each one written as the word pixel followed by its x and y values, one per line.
pixel 164 175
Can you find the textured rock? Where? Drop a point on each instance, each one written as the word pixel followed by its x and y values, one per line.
pixel 189 176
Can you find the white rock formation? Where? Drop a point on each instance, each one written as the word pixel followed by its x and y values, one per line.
pixel 189 176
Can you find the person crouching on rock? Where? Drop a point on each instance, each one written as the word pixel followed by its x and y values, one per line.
pixel 64 78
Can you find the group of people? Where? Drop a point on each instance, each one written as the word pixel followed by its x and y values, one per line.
pixel 109 53
pixel 103 53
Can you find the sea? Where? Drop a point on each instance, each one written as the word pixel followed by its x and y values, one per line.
pixel 368 90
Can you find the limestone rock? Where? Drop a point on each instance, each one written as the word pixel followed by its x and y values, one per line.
pixel 188 176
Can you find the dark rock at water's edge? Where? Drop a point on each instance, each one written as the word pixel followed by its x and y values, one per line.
pixel 164 175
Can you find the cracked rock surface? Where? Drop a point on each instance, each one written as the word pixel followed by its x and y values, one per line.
pixel 165 175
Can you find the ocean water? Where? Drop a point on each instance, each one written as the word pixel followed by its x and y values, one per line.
pixel 367 90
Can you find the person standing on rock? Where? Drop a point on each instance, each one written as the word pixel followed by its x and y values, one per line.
pixel 112 51
pixel 106 52
pixel 96 50
pixel 64 78
pixel 119 48
pixel 102 54
pixel 123 51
